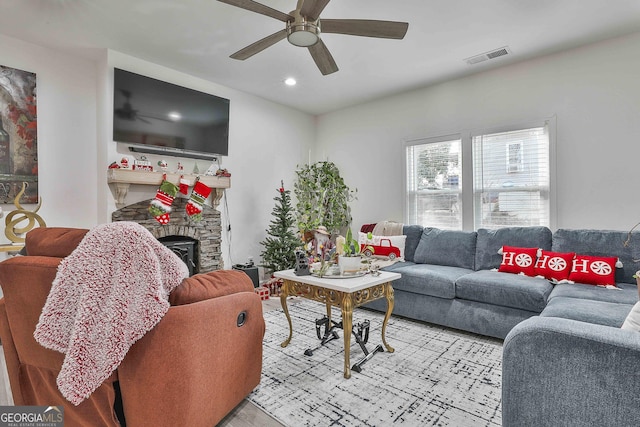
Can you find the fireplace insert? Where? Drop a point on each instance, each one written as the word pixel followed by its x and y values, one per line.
pixel 186 249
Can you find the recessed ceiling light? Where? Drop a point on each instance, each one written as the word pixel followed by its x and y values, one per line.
pixel 290 81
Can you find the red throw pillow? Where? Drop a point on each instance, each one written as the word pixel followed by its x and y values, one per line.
pixel 554 266
pixel 518 260
pixel 594 270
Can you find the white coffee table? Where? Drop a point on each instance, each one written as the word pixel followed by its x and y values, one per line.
pixel 346 294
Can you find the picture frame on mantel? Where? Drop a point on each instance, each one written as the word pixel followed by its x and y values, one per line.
pixel 18 135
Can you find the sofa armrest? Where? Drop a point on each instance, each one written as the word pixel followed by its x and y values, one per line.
pixel 10 355
pixel 196 365
pixel 561 372
pixel 214 284
pixel 26 282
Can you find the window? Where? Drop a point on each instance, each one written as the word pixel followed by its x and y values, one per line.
pixel 515 161
pixel 508 178
pixel 434 183
pixel 519 194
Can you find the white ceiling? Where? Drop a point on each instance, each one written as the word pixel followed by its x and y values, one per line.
pixel 197 37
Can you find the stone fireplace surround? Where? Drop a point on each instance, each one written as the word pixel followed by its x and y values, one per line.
pixel 207 232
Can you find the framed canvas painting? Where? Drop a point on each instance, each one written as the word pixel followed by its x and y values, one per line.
pixel 18 135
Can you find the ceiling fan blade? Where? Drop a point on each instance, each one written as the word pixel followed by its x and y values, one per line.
pixel 311 9
pixel 259 46
pixel 323 58
pixel 256 7
pixel 365 28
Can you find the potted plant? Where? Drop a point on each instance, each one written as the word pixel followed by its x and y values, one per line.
pixel 349 258
pixel 322 199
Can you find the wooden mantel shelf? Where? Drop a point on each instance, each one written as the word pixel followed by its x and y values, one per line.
pixel 120 179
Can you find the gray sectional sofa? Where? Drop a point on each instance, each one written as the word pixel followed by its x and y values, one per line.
pixel 566 362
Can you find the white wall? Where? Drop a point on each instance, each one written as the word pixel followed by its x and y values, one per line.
pixel 66 90
pixel 594 92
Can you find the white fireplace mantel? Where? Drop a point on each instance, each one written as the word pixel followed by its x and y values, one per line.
pixel 120 179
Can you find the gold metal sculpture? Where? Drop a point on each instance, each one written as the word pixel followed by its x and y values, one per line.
pixel 13 231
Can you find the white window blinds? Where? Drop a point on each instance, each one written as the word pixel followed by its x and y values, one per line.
pixel 511 178
pixel 434 184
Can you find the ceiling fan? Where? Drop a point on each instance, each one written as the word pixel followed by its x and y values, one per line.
pixel 303 28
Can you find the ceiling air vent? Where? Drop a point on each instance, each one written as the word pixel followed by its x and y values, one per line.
pixel 496 53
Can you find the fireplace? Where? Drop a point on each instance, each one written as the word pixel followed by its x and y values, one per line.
pixel 205 235
pixel 185 248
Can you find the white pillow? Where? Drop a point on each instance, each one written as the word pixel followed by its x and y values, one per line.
pixel 632 322
pixel 397 241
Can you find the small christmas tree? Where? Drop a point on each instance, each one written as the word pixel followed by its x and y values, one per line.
pixel 281 242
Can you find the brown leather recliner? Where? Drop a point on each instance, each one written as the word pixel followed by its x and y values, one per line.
pixel 199 362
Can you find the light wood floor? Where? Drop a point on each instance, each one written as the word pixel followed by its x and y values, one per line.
pixel 245 414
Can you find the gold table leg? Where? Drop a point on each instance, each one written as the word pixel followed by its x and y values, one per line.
pixel 347 319
pixel 283 302
pixel 388 293
pixel 346 302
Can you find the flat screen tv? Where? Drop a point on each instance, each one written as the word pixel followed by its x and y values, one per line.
pixel 163 118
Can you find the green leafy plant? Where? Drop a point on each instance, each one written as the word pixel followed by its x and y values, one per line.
pixel 351 247
pixel 322 198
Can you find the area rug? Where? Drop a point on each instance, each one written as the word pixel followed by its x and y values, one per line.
pixel 435 377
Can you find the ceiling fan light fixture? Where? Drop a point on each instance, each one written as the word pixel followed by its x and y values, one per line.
pixel 303 34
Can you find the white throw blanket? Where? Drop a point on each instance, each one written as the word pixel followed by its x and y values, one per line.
pixel 110 291
pixel 388 228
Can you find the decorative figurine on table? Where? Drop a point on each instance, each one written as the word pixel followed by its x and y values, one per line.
pixel 163 165
pixel 302 264
pixel 320 236
pixel 124 163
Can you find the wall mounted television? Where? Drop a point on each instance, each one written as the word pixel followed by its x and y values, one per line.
pixel 163 118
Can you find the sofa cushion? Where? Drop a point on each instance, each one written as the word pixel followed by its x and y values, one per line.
pixel 509 290
pixel 594 270
pixel 446 247
pixel 383 246
pixel 625 294
pixel 603 243
pixel 413 233
pixel 632 322
pixel 554 266
pixel 427 279
pixel 590 311
pixel 518 260
pixel 397 266
pixel 489 243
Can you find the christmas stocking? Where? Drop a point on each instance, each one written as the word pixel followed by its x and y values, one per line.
pixel 184 185
pixel 161 206
pixel 199 194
